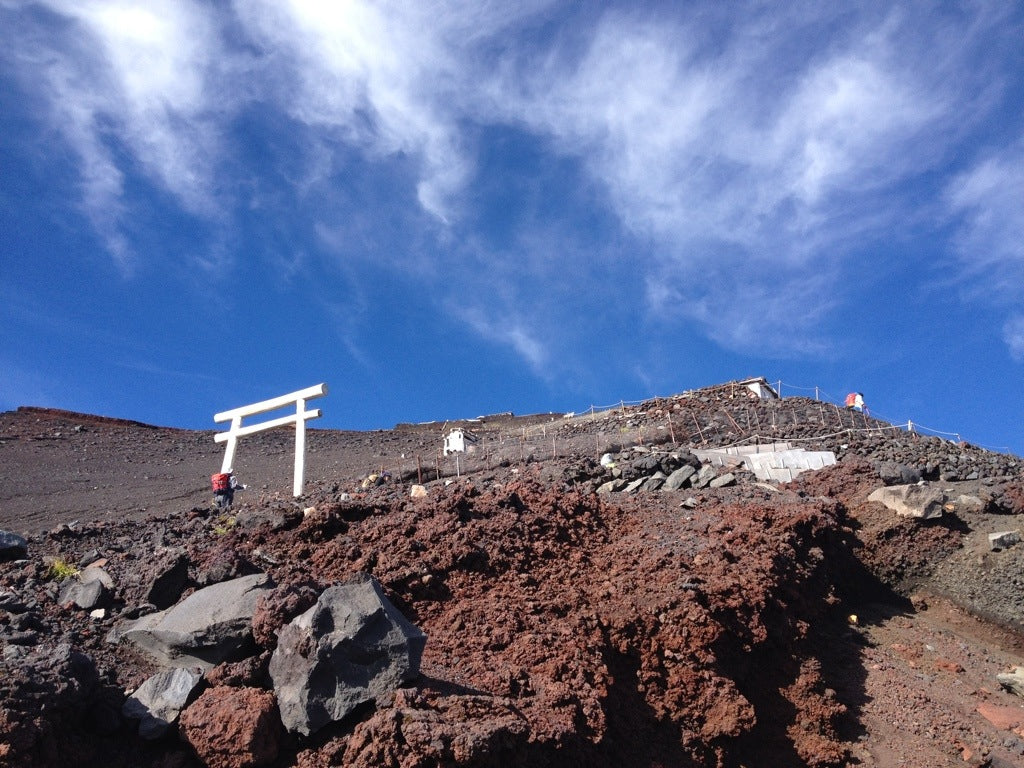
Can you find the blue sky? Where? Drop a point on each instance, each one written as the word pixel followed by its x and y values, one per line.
pixel 454 208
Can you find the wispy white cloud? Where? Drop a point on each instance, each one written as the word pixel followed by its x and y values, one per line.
pixel 158 91
pixel 385 76
pixel 987 204
pixel 744 147
pixel 783 315
pixel 847 125
pixel 509 330
pixel 124 80
pixel 987 198
pixel 1013 335
pixel 695 156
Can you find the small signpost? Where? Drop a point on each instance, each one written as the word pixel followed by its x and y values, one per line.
pixel 236 430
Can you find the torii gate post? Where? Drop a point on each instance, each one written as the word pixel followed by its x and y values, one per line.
pixel 236 430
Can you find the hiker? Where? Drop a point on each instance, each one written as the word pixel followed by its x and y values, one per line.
pixel 855 402
pixel 224 486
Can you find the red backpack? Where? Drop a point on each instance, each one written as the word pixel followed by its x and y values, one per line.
pixel 221 481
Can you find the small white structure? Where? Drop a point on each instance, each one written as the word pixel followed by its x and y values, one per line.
pixel 236 430
pixel 761 388
pixel 456 441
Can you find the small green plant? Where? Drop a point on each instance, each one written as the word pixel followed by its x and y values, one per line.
pixel 225 524
pixel 60 569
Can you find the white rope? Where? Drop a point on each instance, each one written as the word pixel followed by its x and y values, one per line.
pixel 806 389
pixel 934 431
pixel 903 425
pixel 994 449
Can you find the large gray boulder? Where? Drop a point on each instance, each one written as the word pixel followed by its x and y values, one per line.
pixel 96 572
pixel 723 480
pixel 353 646
pixel 612 486
pixel 893 473
pixel 634 486
pixel 705 475
pixel 85 594
pixel 654 482
pixel 204 629
pixel 157 703
pixel 923 502
pixel 12 546
pixel 678 478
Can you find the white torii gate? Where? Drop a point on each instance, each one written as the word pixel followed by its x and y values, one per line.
pixel 236 430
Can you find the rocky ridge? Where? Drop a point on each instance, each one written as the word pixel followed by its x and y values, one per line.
pixel 706 621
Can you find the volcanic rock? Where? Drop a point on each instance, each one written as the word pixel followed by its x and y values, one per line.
pixel 205 628
pixel 12 546
pixel 95 572
pixel 351 647
pixel 704 476
pixel 634 485
pixel 86 595
pixel 278 607
pixel 158 701
pixel 566 627
pixel 612 486
pixel 1013 681
pixel 233 727
pixel 170 580
pixel 1003 539
pixel 898 474
pixel 654 482
pixel 679 477
pixel 923 502
pixel 723 480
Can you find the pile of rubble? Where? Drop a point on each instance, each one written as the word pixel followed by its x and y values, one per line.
pixel 643 469
pixel 517 624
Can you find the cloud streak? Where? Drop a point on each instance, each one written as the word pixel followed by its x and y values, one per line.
pixel 725 181
pixel 987 199
pixel 383 76
pixel 986 203
pixel 124 85
pixel 748 154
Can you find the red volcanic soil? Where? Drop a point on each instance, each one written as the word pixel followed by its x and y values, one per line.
pixel 745 625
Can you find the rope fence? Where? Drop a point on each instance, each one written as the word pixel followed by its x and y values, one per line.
pixel 910 425
pixel 820 395
pixel 577 434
